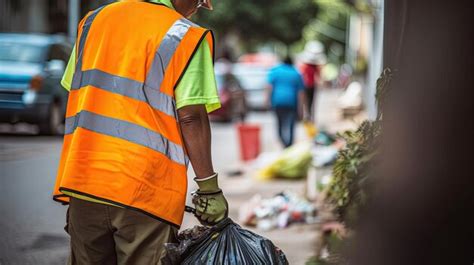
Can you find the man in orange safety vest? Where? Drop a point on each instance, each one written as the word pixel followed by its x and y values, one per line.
pixel 140 83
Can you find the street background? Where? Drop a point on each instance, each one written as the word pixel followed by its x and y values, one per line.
pixel 32 223
pixel 347 34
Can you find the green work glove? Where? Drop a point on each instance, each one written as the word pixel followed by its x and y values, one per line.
pixel 211 205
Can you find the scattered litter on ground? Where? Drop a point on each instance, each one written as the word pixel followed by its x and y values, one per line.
pixel 292 163
pixel 324 138
pixel 235 173
pixel 326 149
pixel 225 243
pixel 310 129
pixel 324 155
pixel 264 159
pixel 279 211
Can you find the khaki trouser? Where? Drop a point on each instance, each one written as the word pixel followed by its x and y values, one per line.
pixel 103 234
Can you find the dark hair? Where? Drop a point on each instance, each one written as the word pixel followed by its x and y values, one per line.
pixel 288 60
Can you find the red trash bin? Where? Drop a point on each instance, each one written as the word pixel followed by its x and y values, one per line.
pixel 249 138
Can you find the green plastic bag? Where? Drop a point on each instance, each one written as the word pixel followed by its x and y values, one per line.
pixel 294 162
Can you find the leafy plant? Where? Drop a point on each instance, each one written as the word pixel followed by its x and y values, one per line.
pixel 351 183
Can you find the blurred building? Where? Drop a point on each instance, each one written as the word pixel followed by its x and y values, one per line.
pixel 365 45
pixel 352 32
pixel 44 16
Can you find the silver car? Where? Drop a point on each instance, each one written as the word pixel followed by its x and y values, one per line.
pixel 31 68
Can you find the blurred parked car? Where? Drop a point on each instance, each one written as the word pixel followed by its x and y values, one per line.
pixel 231 94
pixel 253 78
pixel 31 68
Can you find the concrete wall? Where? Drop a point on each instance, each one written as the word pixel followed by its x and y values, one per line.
pixel 366 40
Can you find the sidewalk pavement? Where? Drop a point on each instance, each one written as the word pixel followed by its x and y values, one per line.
pixel 297 241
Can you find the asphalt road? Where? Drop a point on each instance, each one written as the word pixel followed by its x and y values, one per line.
pixel 31 223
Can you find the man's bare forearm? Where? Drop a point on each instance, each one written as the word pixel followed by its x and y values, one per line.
pixel 196 133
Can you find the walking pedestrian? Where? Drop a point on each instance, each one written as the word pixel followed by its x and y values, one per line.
pixel 312 59
pixel 141 82
pixel 311 74
pixel 285 94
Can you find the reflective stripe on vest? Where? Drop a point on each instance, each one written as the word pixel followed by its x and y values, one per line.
pixel 127 131
pixel 129 88
pixel 164 53
pixel 76 80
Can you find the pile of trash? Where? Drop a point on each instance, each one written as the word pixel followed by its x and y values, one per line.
pixel 280 211
pixel 225 243
pixel 292 163
pixel 326 149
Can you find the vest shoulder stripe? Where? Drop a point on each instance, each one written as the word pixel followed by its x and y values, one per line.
pixel 76 80
pixel 126 131
pixel 165 52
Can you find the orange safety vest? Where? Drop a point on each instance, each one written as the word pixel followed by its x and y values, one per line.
pixel 122 141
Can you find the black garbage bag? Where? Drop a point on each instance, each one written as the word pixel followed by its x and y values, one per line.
pixel 225 243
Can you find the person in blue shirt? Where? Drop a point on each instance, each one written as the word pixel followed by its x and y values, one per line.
pixel 285 92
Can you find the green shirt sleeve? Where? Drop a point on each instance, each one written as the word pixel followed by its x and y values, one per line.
pixel 198 85
pixel 69 72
